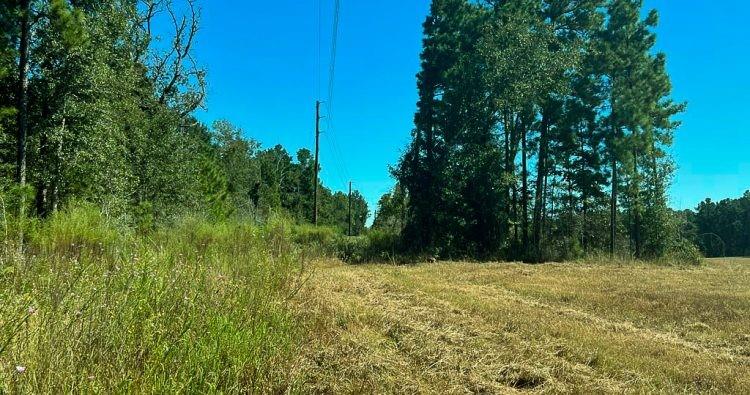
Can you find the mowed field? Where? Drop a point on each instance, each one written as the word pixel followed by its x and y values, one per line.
pixel 503 328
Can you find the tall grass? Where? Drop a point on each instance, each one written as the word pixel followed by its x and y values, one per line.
pixel 90 306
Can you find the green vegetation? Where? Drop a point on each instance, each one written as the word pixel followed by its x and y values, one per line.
pixel 721 228
pixel 205 306
pixel 94 107
pixel 142 251
pixel 542 132
pixel 197 307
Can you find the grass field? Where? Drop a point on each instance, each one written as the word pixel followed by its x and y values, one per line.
pixel 93 307
pixel 489 328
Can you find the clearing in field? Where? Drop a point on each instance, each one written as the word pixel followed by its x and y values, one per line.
pixel 488 328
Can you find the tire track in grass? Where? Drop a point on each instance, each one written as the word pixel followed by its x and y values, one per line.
pixel 413 330
pixel 723 354
pixel 454 347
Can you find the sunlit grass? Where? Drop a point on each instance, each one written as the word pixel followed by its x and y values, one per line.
pixel 496 328
pixel 200 307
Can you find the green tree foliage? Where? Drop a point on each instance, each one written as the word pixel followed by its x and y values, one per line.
pixel 722 228
pixel 107 119
pixel 261 182
pixel 7 54
pixel 541 132
pixel 391 212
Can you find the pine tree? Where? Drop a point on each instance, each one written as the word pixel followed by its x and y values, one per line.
pixel 638 91
pixel 423 169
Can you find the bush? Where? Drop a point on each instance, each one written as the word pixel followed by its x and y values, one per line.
pixel 683 252
pixel 354 249
pixel 317 240
pixel 374 246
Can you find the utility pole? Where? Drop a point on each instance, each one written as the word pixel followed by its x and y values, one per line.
pixel 350 208
pixel 317 152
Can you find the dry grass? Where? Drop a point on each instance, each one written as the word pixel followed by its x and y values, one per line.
pixel 499 328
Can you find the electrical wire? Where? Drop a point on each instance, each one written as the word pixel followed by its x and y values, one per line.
pixel 337 154
pixel 332 147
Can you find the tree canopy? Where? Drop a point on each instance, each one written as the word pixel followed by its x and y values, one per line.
pixel 542 132
pixel 96 107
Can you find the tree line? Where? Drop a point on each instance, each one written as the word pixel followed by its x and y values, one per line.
pixel 95 106
pixel 722 228
pixel 542 132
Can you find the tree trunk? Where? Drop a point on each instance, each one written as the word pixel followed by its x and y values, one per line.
pixel 571 204
pixel 506 169
pixel 584 202
pixel 514 205
pixel 540 179
pixel 57 177
pixel 613 208
pixel 524 190
pixel 636 207
pixel 584 221
pixel 430 226
pixel 22 94
pixel 42 189
pixel 544 206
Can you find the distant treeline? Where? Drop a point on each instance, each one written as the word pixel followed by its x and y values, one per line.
pixel 96 107
pixel 720 228
pixel 542 132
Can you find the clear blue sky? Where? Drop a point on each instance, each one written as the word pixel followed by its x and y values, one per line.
pixel 262 59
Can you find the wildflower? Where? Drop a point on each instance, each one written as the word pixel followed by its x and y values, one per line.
pixel 31 310
pixel 20 369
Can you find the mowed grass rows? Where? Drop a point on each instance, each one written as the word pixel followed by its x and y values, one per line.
pixel 497 328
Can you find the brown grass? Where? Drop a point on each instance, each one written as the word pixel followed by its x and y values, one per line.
pixel 503 328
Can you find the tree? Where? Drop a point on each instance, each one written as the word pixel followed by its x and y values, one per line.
pixel 423 169
pixel 569 87
pixel 640 110
pixel 723 228
pixel 390 215
pixel 236 155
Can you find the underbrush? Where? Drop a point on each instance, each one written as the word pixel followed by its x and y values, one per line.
pixel 91 306
pixel 327 242
pixel 681 255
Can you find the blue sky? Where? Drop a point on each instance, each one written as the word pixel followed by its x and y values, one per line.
pixel 262 59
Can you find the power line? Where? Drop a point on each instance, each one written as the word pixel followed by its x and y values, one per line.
pixel 331 84
pixel 334 47
pixel 319 65
pixel 334 149
pixel 342 174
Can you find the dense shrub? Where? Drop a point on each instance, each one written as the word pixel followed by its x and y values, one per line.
pixel 80 228
pixel 318 240
pixel 374 246
pixel 683 252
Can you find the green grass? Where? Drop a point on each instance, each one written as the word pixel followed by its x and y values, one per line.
pixel 92 307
